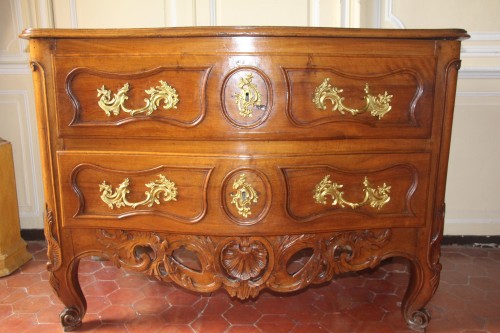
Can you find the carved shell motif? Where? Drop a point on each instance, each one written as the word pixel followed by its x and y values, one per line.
pixel 244 260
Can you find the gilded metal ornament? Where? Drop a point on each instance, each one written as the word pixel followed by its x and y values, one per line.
pixel 245 195
pixel 374 197
pixel 378 106
pixel 164 92
pixel 156 188
pixel 248 97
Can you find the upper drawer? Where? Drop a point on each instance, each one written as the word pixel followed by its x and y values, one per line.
pixel 267 96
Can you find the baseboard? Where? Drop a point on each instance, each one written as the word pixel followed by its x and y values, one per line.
pixel 480 241
pixel 477 241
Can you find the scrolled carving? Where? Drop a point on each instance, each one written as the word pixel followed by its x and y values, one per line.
pixel 71 319
pixel 244 265
pixel 419 320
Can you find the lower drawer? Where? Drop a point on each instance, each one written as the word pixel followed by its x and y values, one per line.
pixel 236 195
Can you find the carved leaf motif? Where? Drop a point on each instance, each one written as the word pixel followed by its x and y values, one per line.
pixel 244 265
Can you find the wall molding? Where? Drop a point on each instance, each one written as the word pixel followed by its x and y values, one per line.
pixel 479 73
pixel 73 12
pixel 389 15
pixel 27 138
pixel 314 13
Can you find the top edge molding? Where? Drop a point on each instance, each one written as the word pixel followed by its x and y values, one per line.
pixel 433 34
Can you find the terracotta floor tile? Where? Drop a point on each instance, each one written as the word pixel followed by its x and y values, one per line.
pixel 243 329
pixel 179 329
pixel 132 281
pixel 123 301
pixel 339 322
pixel 101 288
pixel 366 312
pixel 5 310
pixel 275 324
pixel 117 314
pixel 210 324
pixel 124 296
pixel 180 315
pixel 149 324
pixel 182 297
pixel 242 314
pixel 22 280
pixel 309 328
pixel 216 306
pixel 96 304
pixel 151 305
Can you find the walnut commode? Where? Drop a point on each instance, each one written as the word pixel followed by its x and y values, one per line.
pixel 217 157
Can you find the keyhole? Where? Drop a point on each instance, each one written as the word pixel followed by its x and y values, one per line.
pixel 243 195
pixel 247 96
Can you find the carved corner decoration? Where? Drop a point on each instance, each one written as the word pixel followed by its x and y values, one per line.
pixel 245 195
pixel 156 188
pixel 248 97
pixel 374 197
pixel 378 106
pixel 54 253
pixel 164 92
pixel 244 265
pixel 53 247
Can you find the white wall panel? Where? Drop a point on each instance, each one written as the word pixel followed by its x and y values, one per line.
pixel 17 126
pixel 17 111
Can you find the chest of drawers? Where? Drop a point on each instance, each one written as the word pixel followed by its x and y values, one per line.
pixel 245 158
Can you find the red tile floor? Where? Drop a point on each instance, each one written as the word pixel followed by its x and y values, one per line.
pixel 467 301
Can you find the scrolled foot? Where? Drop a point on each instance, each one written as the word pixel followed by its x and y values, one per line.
pixel 71 319
pixel 419 320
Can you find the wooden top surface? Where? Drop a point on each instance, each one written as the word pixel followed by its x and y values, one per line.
pixel 439 34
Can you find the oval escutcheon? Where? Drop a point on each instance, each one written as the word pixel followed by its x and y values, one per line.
pixel 246 97
pixel 246 196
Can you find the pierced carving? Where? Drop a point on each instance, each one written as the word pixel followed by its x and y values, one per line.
pixel 244 265
pixel 164 92
pixel 374 197
pixel 378 106
pixel 156 188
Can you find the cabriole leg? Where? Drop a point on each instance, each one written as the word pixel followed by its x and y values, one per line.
pixel 65 283
pixel 422 286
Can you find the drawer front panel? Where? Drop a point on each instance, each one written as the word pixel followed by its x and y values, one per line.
pixel 104 187
pixel 103 96
pixel 225 194
pixel 246 97
pixel 320 190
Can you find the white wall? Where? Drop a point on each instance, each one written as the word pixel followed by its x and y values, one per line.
pixel 473 207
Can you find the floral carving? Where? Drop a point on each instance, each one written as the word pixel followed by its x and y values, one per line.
pixel 244 265
pixel 244 260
